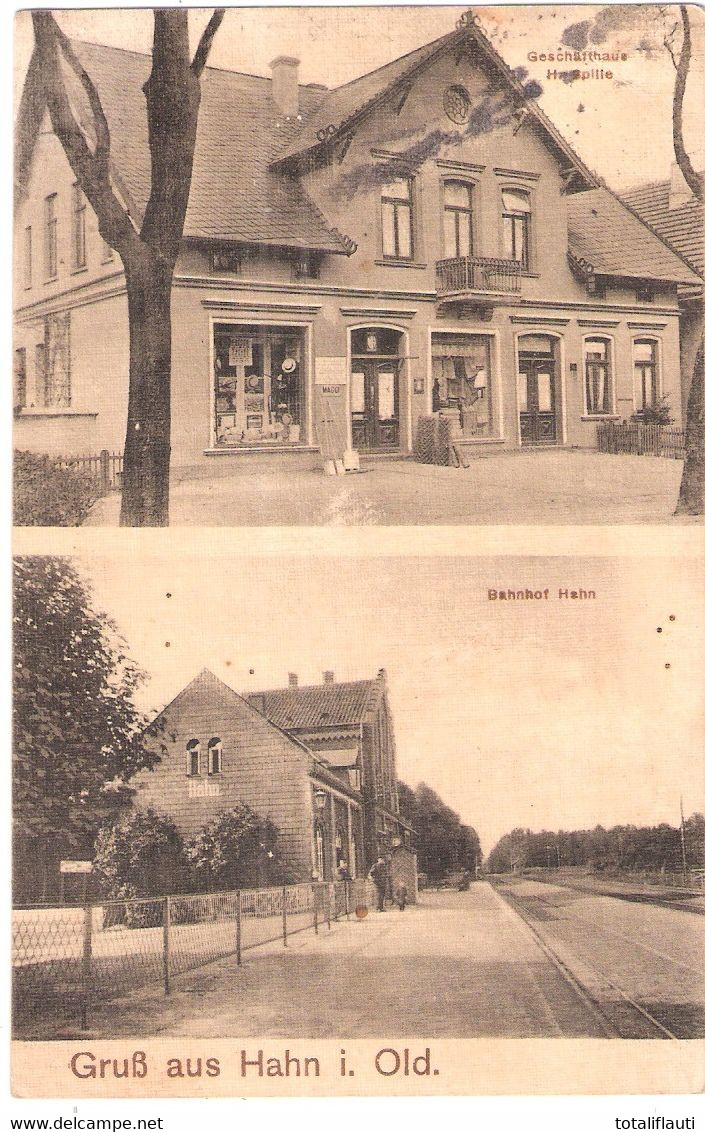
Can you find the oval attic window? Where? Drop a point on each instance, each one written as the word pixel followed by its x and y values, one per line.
pixel 456 103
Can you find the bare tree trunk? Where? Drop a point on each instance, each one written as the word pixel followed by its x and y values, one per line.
pixel 145 490
pixel 691 500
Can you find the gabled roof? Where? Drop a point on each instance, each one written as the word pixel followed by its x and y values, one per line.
pixel 606 233
pixel 343 107
pixel 322 769
pixel 208 681
pixel 339 106
pixel 320 706
pixel 234 194
pixel 682 227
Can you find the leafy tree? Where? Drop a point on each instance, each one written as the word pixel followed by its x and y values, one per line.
pixel 623 848
pixel 238 849
pixel 77 734
pixel 148 250
pixel 443 844
pixel 140 854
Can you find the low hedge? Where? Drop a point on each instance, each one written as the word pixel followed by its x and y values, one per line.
pixel 49 495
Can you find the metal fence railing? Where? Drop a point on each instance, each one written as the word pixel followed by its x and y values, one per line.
pixel 64 959
pixel 638 439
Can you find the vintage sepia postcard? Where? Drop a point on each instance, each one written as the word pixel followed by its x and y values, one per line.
pixel 380 773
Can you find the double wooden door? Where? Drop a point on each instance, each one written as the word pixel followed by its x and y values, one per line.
pixel 374 403
pixel 537 400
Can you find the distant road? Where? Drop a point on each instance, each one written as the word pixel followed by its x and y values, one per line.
pixel 640 963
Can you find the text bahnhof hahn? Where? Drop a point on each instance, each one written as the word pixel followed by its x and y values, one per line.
pixel 541 595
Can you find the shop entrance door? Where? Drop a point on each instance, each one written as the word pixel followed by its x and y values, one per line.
pixel 374 403
pixel 537 400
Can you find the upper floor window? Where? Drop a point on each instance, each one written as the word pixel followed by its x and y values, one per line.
pixel 644 293
pixel 646 375
pixel 226 261
pixel 598 377
pixel 215 755
pixel 27 266
pixel 397 220
pixel 306 267
pixel 50 237
pixel 457 219
pixel 78 227
pixel 516 222
pixel 193 758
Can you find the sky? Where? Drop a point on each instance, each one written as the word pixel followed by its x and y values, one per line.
pixel 540 714
pixel 620 127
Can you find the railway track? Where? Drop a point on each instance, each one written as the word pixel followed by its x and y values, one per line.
pixel 681 899
pixel 618 1013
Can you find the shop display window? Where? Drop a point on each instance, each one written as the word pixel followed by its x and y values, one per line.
pixel 259 392
pixel 461 380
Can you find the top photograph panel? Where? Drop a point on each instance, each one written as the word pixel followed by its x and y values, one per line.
pixel 349 266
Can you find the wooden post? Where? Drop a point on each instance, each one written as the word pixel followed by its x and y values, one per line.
pixel 328 905
pixel 105 469
pixel 238 928
pixel 315 909
pixel 284 916
pixel 166 925
pixel 86 962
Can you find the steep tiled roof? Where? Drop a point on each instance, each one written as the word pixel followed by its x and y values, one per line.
pixel 340 104
pixel 317 706
pixel 683 227
pixel 604 232
pixel 234 194
pixel 346 103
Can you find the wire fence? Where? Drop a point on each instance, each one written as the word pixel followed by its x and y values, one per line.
pixel 65 959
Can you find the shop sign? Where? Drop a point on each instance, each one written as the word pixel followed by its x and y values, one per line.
pixel 240 352
pixel 331 371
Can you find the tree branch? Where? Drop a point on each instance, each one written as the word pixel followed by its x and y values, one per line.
pixel 102 131
pixel 90 169
pixel 693 179
pixel 203 50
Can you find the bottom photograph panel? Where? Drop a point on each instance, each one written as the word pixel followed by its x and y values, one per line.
pixel 433 800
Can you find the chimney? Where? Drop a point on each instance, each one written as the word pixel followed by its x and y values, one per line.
pixel 329 677
pixel 293 680
pixel 285 84
pixel 678 193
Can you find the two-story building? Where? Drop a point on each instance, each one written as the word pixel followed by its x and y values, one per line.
pixel 671 209
pixel 318 761
pixel 421 240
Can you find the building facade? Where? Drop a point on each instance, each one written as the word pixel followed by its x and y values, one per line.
pixel 420 241
pixel 672 211
pixel 329 788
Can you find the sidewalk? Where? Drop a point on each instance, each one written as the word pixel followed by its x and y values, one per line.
pixel 526 487
pixel 458 965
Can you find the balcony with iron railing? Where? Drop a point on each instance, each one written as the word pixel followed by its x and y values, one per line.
pixel 480 278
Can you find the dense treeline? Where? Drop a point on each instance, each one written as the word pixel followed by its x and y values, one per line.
pixel 443 843
pixel 625 847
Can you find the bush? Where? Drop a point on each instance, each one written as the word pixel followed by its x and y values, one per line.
pixel 236 850
pixel 139 855
pixel 658 413
pixel 47 495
